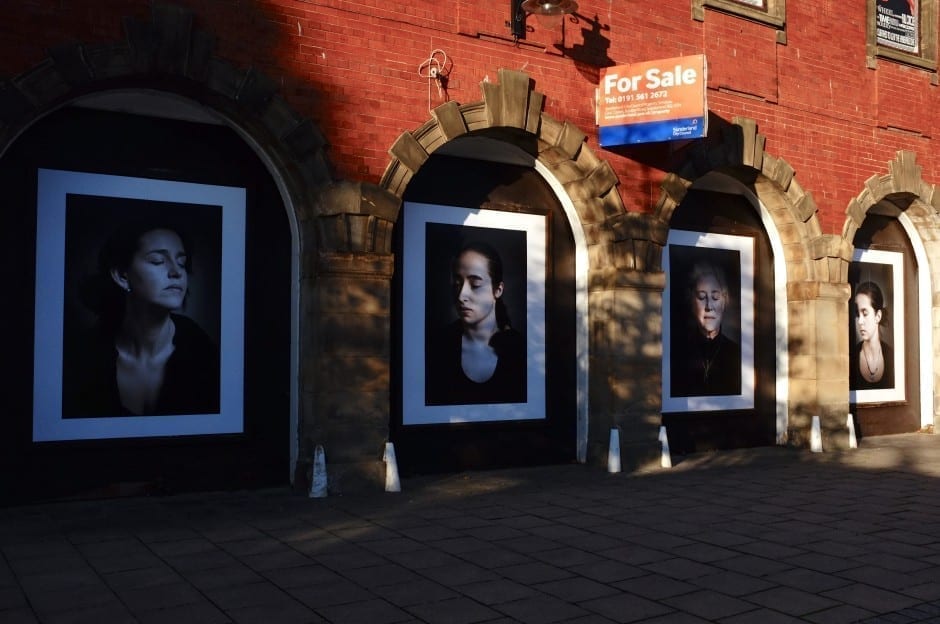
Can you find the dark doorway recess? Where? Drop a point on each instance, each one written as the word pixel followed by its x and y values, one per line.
pixel 696 431
pixel 458 182
pixel 104 142
pixel 899 416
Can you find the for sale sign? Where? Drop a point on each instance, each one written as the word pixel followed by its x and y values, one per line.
pixel 652 101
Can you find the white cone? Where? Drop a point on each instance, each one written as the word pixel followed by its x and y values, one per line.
pixel 815 437
pixel 666 461
pixel 392 482
pixel 850 423
pixel 318 482
pixel 613 454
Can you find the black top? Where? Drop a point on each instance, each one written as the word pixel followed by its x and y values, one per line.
pixel 190 382
pixel 858 382
pixel 706 367
pixel 447 384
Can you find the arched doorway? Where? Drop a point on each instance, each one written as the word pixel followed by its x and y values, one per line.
pixel 884 332
pixel 807 271
pixel 117 451
pixel 187 72
pixel 454 201
pixel 508 127
pixel 720 319
pixel 891 227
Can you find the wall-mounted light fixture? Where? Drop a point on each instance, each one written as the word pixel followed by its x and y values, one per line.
pixel 548 12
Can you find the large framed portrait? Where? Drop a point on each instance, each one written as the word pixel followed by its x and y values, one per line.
pixel 708 322
pixel 132 338
pixel 876 326
pixel 473 315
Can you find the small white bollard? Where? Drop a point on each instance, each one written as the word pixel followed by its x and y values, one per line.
pixel 666 460
pixel 392 482
pixel 318 482
pixel 613 454
pixel 850 423
pixel 815 437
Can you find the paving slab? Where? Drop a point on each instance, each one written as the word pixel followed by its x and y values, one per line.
pixel 755 535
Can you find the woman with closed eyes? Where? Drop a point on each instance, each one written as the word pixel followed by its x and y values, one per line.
pixel 480 357
pixel 711 362
pixel 143 357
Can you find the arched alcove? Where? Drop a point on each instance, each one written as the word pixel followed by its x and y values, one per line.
pixel 902 195
pixel 615 250
pixel 812 264
pixel 167 59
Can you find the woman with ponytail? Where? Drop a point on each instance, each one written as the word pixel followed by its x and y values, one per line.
pixel 480 357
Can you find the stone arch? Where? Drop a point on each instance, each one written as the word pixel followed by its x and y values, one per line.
pixel 905 190
pixel 738 151
pixel 904 194
pixel 168 55
pixel 511 111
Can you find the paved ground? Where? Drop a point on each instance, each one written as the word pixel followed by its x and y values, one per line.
pixel 763 535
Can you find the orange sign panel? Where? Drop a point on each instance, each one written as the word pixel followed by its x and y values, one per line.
pixel 652 101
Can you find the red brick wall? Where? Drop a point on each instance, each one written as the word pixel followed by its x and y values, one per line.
pixel 353 68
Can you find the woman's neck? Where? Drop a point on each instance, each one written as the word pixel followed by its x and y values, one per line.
pixel 872 345
pixel 144 334
pixel 481 331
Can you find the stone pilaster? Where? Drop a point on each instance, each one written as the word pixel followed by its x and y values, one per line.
pixel 819 367
pixel 345 373
pixel 626 365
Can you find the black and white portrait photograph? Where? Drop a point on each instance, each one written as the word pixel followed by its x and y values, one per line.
pixel 131 277
pixel 142 304
pixel 876 341
pixel 708 318
pixel 473 315
pixel 476 315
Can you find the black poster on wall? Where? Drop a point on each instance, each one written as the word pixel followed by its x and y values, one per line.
pixel 896 24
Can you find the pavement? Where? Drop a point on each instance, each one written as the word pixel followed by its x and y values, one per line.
pixel 755 535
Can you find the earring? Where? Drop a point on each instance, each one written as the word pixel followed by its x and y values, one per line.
pixel 127 288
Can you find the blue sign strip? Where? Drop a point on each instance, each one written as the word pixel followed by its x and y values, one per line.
pixel 652 132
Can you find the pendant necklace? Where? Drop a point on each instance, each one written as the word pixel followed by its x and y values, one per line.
pixel 707 362
pixel 871 371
